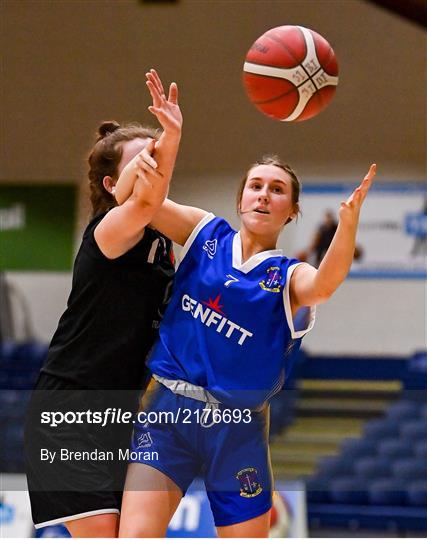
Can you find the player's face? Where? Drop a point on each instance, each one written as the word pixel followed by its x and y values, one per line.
pixel 129 150
pixel 266 202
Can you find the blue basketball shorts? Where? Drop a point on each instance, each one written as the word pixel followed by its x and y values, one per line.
pixel 226 447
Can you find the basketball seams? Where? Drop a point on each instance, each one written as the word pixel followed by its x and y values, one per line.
pixel 268 76
pixel 283 45
pixel 298 63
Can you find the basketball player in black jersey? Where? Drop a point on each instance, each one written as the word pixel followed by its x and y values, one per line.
pixel 96 360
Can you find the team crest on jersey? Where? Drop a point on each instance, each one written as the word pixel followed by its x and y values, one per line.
pixel 249 484
pixel 272 282
pixel 210 248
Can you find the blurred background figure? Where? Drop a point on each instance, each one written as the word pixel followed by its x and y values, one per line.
pixel 321 241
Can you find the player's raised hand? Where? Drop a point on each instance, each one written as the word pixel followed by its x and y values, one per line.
pixel 165 109
pixel 350 209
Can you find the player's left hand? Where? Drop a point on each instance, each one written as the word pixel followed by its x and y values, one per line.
pixel 167 110
pixel 350 209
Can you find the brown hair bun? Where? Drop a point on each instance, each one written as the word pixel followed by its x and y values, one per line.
pixel 106 128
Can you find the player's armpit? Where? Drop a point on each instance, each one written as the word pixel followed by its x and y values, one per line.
pixel 303 287
pixel 177 221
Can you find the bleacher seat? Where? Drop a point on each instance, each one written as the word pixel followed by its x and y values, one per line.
pixel 414 430
pixel 9 397
pixel 386 491
pixel 358 448
pixel 7 349
pixel 403 410
pixel 282 410
pixel 395 448
pixel 420 449
pixel 379 429
pixel 372 467
pixel 331 466
pixel 348 490
pixel 410 469
pixel 417 493
pixel 317 489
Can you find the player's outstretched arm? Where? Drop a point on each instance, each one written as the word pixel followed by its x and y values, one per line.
pixel 144 182
pixel 310 286
pixel 158 165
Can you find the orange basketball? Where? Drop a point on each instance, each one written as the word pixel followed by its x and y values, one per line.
pixel 290 73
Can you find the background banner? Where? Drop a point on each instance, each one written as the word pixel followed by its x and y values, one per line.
pixel 392 237
pixel 37 226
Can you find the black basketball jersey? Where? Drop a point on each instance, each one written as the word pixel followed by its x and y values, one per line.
pixel 113 313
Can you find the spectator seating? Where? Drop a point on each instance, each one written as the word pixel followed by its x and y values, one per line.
pixel 19 367
pixel 376 478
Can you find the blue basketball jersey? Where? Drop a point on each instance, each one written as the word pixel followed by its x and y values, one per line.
pixel 228 326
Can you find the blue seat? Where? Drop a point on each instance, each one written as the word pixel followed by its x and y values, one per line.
pixel 395 448
pixel 30 352
pixel 330 466
pixel 410 469
pixel 357 448
pixel 7 351
pixel 9 398
pixel 387 491
pixel 348 490
pixel 417 493
pixel 282 410
pixel 13 436
pixel 317 489
pixel 414 430
pixel 379 429
pixel 403 410
pixel 372 467
pixel 420 449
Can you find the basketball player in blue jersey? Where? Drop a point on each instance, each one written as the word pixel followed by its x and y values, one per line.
pixel 238 311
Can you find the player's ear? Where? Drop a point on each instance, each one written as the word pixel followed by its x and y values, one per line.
pixel 295 211
pixel 109 184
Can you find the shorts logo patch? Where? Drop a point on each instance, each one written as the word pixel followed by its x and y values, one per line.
pixel 249 485
pixel 144 441
pixel 272 281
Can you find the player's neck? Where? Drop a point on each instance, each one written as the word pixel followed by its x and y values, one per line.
pixel 255 243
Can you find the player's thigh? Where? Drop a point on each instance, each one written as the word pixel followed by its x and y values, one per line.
pixel 257 527
pixel 99 526
pixel 149 502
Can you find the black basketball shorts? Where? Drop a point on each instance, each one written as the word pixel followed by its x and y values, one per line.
pixel 62 485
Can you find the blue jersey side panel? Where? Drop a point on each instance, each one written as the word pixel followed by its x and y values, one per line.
pixel 225 329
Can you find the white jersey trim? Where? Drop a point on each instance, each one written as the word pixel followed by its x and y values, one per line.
pixel 253 261
pixel 64 519
pixel 204 221
pixel 288 310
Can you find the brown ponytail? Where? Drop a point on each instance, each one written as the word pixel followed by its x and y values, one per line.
pixel 105 158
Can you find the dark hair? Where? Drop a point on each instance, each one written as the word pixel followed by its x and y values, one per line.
pixel 277 162
pixel 105 158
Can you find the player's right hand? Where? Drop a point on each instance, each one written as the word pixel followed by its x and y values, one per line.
pixel 167 110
